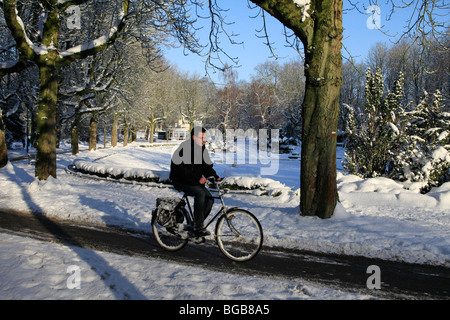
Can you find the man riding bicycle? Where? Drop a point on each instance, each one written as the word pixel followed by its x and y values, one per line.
pixel 189 166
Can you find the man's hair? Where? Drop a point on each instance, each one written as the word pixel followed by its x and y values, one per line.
pixel 196 130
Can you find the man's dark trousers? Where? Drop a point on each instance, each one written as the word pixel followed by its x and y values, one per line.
pixel 203 201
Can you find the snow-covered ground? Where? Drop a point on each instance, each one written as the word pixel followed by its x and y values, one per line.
pixel 375 218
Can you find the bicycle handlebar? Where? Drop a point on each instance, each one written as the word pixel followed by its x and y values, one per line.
pixel 213 179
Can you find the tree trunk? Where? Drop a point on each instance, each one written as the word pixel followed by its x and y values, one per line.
pixel 318 159
pixel 114 131
pixel 152 119
pixel 46 118
pixel 319 27
pixel 93 132
pixel 320 112
pixel 125 136
pixel 104 134
pixel 3 149
pixel 75 134
pixel 47 108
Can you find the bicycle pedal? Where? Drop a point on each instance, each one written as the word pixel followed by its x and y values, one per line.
pixel 183 235
pixel 198 240
pixel 171 230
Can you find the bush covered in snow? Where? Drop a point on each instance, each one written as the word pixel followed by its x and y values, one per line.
pixel 426 156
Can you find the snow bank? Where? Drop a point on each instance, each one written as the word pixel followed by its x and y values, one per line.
pixel 104 170
pixel 386 192
pixel 261 186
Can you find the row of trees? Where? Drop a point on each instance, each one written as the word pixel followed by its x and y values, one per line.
pixel 125 94
pixel 424 69
pixel 272 98
pixel 47 36
pixel 120 87
pixel 120 90
pixel 125 83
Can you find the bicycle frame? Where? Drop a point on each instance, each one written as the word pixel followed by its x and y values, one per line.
pixel 223 209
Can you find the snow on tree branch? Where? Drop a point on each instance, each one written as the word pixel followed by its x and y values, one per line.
pixel 38 50
pixel 32 51
pixel 100 41
pixel 304 6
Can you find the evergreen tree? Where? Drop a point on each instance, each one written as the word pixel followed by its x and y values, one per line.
pixel 353 140
pixel 373 135
pixel 426 157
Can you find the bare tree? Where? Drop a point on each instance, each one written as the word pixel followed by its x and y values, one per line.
pixel 38 43
pixel 290 95
pixel 228 99
pixel 193 101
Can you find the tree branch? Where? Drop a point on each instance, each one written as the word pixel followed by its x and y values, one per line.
pixel 90 48
pixel 283 11
pixel 15 24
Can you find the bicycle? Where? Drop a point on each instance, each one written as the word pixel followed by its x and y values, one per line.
pixel 238 233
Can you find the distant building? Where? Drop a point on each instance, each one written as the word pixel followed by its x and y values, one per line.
pixel 180 131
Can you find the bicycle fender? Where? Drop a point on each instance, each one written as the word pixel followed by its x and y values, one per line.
pixel 236 208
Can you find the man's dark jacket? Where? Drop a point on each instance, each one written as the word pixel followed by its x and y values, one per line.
pixel 189 163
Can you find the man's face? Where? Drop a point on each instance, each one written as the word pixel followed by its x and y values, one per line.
pixel 200 139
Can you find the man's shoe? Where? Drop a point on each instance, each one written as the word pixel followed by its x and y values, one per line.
pixel 201 233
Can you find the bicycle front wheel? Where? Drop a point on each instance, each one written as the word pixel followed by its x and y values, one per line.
pixel 239 235
pixel 167 238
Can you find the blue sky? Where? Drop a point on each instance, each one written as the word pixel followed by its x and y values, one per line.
pixel 359 37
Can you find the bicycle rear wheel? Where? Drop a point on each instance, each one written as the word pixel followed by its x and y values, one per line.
pixel 239 235
pixel 167 238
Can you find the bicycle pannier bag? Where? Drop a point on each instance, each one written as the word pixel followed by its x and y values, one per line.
pixel 170 211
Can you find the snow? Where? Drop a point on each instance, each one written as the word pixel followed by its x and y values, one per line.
pixel 441 154
pixel 394 128
pixel 378 218
pixel 304 6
